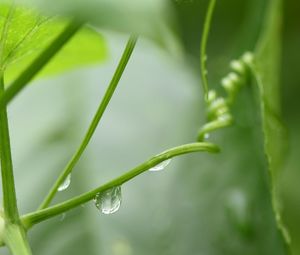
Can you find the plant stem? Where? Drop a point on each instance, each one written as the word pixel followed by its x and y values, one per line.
pixel 203 55
pixel 214 125
pixel 101 109
pixel 13 233
pixel 44 214
pixel 16 240
pixel 26 76
pixel 8 184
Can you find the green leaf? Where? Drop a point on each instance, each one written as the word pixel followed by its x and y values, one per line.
pixel 231 200
pixel 267 72
pixel 151 18
pixel 25 33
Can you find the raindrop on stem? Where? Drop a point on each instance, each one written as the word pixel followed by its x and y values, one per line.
pixel 109 201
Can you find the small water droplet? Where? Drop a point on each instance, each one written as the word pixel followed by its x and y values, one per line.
pixel 206 136
pixel 62 217
pixel 160 166
pixel 109 201
pixel 65 184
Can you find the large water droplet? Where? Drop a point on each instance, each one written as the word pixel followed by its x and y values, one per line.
pixel 160 166
pixel 65 184
pixel 109 201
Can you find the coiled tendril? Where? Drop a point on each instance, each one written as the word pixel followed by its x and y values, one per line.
pixel 218 108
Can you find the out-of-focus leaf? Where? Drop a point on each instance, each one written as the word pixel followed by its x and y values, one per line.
pixel 25 33
pixel 267 72
pixel 227 202
pixel 152 18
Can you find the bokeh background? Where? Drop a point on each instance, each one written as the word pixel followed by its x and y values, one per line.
pixel 191 207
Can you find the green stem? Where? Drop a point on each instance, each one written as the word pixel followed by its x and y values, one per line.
pixel 203 55
pixel 13 233
pixel 26 76
pixel 16 240
pixel 44 214
pixel 8 184
pixel 102 107
pixel 214 125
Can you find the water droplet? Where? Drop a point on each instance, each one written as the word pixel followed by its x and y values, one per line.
pixel 206 136
pixel 65 184
pixel 109 201
pixel 160 166
pixel 62 217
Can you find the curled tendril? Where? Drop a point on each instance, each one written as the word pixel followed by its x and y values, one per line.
pixel 218 108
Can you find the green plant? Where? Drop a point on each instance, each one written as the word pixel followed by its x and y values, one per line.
pixel 14 227
pixel 252 67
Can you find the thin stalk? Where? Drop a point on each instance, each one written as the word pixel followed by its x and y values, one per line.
pixel 101 109
pixel 203 55
pixel 214 125
pixel 16 240
pixel 33 218
pixel 8 183
pixel 13 235
pixel 38 64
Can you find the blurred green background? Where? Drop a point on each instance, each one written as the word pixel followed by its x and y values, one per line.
pixel 191 207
